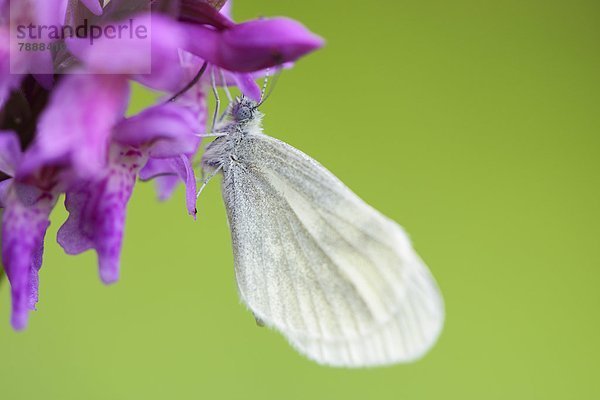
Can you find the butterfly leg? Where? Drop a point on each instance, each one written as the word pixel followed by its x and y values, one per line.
pixel 227 93
pixel 216 171
pixel 215 134
pixel 217 99
pixel 225 87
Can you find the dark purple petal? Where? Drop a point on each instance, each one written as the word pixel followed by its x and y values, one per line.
pixel 252 45
pixel 165 130
pixel 10 152
pixel 24 226
pixel 97 211
pixel 76 126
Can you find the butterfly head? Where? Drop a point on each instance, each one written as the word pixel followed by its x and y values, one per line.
pixel 244 110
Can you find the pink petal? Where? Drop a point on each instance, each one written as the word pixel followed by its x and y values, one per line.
pixel 76 126
pixel 4 190
pixel 167 130
pixel 97 211
pixel 10 152
pixel 226 9
pixel 168 172
pixel 248 86
pixel 152 59
pixel 8 81
pixel 33 13
pixel 166 185
pixel 51 12
pixel 93 5
pixel 24 224
pixel 253 45
pixel 185 170
pixel 128 54
pixel 202 13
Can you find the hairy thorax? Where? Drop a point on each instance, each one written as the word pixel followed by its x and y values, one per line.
pixel 229 148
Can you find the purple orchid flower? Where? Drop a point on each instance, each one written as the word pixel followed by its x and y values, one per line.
pixel 96 196
pixel 97 209
pixel 25 220
pixel 69 133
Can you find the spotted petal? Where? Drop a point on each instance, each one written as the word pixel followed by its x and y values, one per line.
pixel 24 225
pixel 97 212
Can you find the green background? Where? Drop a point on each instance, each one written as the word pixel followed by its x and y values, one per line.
pixel 475 124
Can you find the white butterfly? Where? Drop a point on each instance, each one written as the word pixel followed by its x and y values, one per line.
pixel 338 279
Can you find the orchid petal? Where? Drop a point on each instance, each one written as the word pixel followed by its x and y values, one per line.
pixel 204 13
pixel 152 60
pixel 165 183
pixel 8 81
pixel 252 45
pixel 165 177
pixel 166 130
pixel 97 211
pixel 5 186
pixel 167 173
pixel 24 226
pixel 52 12
pixel 226 9
pixel 78 138
pixel 94 6
pixel 185 170
pixel 10 152
pixel 248 86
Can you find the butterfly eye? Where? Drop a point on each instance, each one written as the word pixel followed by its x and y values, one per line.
pixel 243 113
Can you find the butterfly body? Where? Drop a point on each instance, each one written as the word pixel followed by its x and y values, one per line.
pixel 338 279
pixel 245 119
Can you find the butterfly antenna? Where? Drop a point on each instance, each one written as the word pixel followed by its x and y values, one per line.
pixel 217 99
pixel 264 97
pixel 191 84
pixel 264 86
pixel 225 87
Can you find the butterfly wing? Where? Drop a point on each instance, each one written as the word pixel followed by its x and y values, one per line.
pixel 312 260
